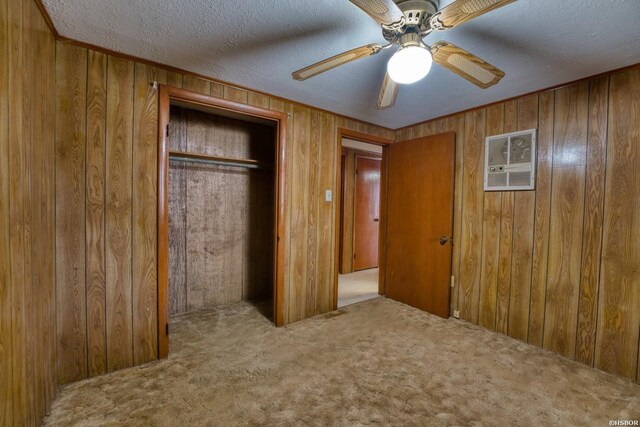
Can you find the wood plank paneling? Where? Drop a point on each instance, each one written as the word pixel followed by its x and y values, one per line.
pixel 70 212
pixel 567 204
pixel 42 215
pixel 303 255
pixel 506 236
pixel 299 213
pixel 312 218
pixel 552 288
pixel 217 90
pixel 221 221
pixel 619 299
pixel 28 223
pixel 47 63
pixel 17 191
pixel 236 95
pixel 473 201
pixel 109 116
pixel 6 327
pixel 177 215
pixel 118 206
pixel 94 215
pixel 522 253
pixel 144 241
pixel 541 218
pixel 195 84
pixel 174 79
pixel 28 373
pixel 503 288
pixel 328 160
pixel 255 99
pixel 404 134
pixel 491 234
pixel 593 218
pixel 213 249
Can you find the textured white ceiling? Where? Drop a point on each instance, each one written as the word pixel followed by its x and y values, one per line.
pixel 258 43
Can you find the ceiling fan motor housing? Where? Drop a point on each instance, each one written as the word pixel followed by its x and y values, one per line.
pixel 417 14
pixel 417 11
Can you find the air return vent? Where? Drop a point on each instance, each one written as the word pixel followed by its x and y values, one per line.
pixel 510 161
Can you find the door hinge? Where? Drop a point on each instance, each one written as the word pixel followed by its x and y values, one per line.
pixel 166 328
pixel 356 171
pixel 354 255
pixel 453 281
pixel 167 130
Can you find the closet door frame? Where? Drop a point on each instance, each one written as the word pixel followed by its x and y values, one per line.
pixel 167 95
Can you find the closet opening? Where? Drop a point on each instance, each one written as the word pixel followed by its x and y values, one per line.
pixel 220 207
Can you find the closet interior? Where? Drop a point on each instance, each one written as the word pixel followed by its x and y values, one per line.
pixel 221 209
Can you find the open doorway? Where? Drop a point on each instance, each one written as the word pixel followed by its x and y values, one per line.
pixel 359 211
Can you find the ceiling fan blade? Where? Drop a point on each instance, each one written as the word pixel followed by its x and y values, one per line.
pixel 462 11
pixel 388 93
pixel 466 65
pixel 384 12
pixel 337 60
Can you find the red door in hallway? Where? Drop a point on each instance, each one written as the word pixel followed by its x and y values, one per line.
pixel 366 225
pixel 419 222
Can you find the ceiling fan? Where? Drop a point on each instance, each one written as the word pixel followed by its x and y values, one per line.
pixel 404 24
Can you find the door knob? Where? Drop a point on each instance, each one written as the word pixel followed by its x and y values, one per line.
pixel 444 240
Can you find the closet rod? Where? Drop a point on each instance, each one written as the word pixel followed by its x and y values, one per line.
pixel 216 160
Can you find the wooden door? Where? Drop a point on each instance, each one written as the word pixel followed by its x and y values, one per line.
pixel 419 218
pixel 366 225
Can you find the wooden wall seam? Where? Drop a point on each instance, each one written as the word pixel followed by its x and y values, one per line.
pixel 95 214
pixel 541 214
pixel 6 312
pixel 595 183
pixel 70 202
pixel 523 236
pixel 599 278
pixel 551 181
pixel 118 214
pixel 16 231
pixel 491 235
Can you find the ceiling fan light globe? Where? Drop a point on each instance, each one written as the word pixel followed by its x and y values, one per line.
pixel 409 64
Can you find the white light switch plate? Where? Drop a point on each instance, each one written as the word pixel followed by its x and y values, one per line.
pixel 327 195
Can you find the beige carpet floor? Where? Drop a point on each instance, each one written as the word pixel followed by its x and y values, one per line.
pixel 377 362
pixel 358 286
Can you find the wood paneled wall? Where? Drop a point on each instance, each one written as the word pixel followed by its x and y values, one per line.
pixel 27 217
pixel 106 160
pixel 558 267
pixel 221 219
